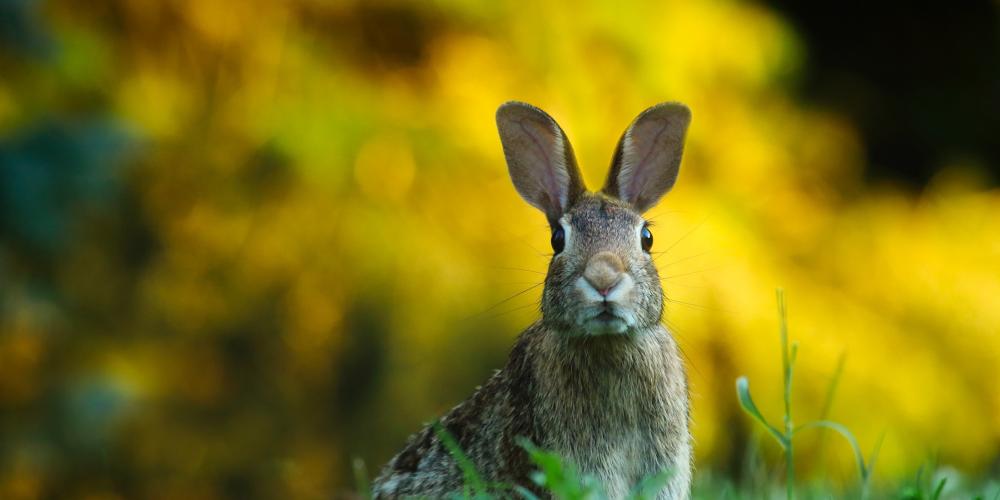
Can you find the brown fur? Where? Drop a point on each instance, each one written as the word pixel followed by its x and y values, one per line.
pixel 609 395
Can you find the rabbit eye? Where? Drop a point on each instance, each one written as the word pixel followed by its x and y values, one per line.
pixel 558 239
pixel 646 238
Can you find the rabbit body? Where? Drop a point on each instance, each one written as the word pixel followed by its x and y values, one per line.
pixel 615 407
pixel 598 380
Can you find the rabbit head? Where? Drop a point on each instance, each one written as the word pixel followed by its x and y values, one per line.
pixel 601 280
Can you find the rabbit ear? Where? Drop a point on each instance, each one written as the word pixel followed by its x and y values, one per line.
pixel 539 158
pixel 648 156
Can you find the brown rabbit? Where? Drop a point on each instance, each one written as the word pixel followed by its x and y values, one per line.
pixel 597 379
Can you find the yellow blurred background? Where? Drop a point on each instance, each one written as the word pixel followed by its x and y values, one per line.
pixel 242 243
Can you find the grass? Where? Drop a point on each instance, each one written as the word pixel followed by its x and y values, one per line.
pixel 560 478
pixel 786 436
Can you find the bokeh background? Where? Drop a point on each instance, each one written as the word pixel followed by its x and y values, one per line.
pixel 242 243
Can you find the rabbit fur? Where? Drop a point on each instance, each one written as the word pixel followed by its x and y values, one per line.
pixel 597 380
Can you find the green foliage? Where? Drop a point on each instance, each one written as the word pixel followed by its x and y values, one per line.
pixel 786 436
pixel 557 476
pixel 361 479
pixel 561 479
pixel 475 487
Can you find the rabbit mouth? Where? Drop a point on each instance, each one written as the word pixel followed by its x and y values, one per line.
pixel 604 320
pixel 605 315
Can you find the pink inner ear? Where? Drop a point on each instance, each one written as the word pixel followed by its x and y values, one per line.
pixel 544 148
pixel 548 177
pixel 640 156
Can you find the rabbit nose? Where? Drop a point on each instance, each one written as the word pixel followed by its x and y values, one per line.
pixel 603 272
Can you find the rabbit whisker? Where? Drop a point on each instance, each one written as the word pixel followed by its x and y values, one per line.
pixel 688 285
pixel 519 269
pixel 682 259
pixel 536 303
pixel 679 335
pixel 692 272
pixel 690 231
pixel 689 304
pixel 504 301
pixel 662 213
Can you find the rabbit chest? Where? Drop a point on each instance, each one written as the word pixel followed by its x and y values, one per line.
pixel 616 406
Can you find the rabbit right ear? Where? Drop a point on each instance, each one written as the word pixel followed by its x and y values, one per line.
pixel 648 156
pixel 539 158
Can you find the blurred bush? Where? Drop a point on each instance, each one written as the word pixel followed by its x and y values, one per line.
pixel 242 242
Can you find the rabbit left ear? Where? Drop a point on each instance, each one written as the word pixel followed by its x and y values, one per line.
pixel 539 158
pixel 648 157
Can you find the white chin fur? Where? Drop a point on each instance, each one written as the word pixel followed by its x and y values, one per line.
pixel 595 327
pixel 592 301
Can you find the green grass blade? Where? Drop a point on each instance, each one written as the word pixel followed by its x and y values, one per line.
pixel 788 363
pixel 650 487
pixel 551 474
pixel 873 458
pixel 831 389
pixel 939 489
pixel 472 477
pixel 560 476
pixel 843 431
pixel 526 493
pixel 743 393
pixel 824 414
pixel 788 356
pixel 361 478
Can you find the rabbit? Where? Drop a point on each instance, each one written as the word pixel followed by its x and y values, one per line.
pixel 597 380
